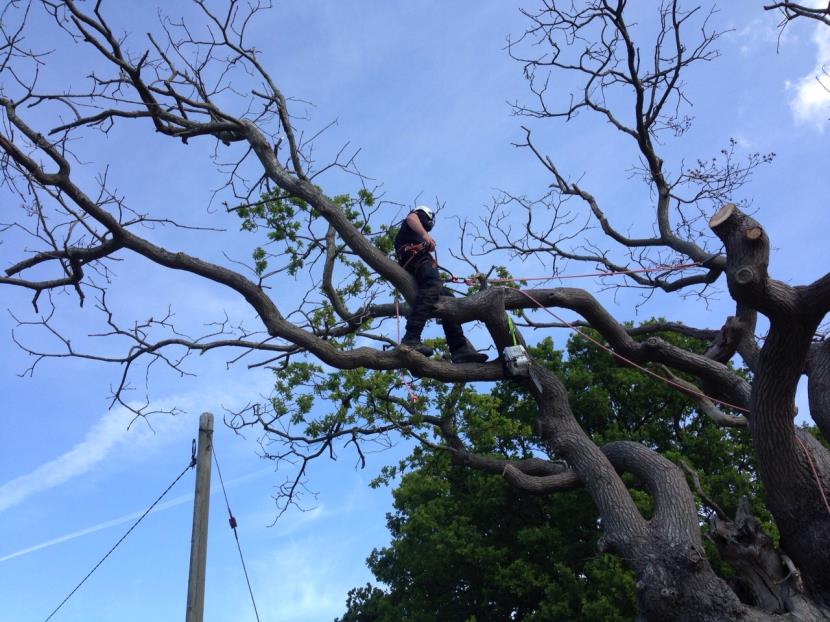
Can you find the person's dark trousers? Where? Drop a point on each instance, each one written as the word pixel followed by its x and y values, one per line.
pixel 430 290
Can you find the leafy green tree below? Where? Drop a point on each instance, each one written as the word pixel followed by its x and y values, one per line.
pixel 467 547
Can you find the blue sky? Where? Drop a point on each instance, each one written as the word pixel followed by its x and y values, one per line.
pixel 421 88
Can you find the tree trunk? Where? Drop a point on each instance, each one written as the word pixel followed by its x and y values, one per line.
pixel 674 578
pixel 765 577
pixel 818 387
pixel 794 468
pixel 675 583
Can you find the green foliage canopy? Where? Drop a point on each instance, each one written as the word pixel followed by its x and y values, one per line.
pixel 468 547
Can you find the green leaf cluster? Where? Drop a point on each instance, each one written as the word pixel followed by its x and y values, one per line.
pixel 293 229
pixel 282 219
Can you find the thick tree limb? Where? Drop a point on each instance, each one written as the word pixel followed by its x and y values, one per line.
pixel 818 385
pixel 792 10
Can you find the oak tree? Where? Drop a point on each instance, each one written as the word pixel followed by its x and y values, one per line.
pixel 203 84
pixel 468 546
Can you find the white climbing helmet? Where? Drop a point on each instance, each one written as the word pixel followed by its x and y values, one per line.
pixel 430 216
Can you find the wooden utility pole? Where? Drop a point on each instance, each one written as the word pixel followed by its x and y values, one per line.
pixel 201 506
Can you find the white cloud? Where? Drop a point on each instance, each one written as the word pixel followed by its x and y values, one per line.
pixel 316 589
pixel 126 518
pixel 810 103
pixel 320 555
pixel 108 433
pixel 113 431
pixel 100 526
pixel 744 142
pixel 761 32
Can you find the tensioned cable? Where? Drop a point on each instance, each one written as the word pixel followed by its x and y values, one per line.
pixel 657 268
pixel 561 277
pixel 133 526
pixel 628 361
pixel 232 522
pixel 675 385
pixel 406 383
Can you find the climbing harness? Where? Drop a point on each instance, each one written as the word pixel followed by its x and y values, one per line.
pixel 409 252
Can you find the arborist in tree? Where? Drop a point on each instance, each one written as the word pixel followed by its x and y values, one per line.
pixel 413 249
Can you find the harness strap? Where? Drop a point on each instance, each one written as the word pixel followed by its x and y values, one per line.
pixel 412 251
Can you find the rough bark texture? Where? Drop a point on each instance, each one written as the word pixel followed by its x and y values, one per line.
pixel 674 578
pixel 818 385
pixel 794 468
pixel 765 576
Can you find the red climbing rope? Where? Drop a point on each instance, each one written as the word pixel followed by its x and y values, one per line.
pixel 676 385
pixel 627 360
pixel 645 370
pixel 658 268
pixel 815 472
pixel 516 279
pixel 410 393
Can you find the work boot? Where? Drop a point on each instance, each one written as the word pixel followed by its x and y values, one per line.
pixel 414 342
pixel 467 354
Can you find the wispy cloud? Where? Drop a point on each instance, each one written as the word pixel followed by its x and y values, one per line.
pixel 115 431
pixel 320 560
pixel 810 102
pixel 760 32
pixel 809 96
pixel 110 432
pixel 318 585
pixel 99 527
pixel 126 518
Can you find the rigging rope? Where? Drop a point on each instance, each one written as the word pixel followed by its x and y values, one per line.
pixel 815 472
pixel 553 277
pixel 628 361
pixel 133 526
pixel 676 385
pixel 658 268
pixel 411 395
